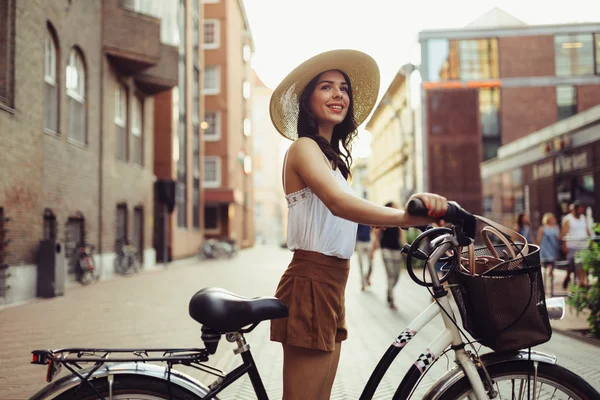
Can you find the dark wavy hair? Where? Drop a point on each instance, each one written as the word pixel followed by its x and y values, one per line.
pixel 343 133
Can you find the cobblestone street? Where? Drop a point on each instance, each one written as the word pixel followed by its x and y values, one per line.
pixel 151 310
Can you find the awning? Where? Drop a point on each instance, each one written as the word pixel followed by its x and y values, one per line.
pixel 220 196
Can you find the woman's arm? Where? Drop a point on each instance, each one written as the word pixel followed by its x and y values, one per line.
pixel 306 160
pixel 540 234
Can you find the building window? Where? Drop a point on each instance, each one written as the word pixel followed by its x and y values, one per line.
pixel 574 54
pixel 210 1
pixel 50 77
pixel 566 101
pixel 597 50
pixel 196 204
pixel 471 59
pixel 489 117
pixel 121 122
pixel 75 82
pixel 246 90
pixel 7 52
pixel 213 126
pixel 211 219
pixel 137 136
pixel 246 53
pixel 121 227
pixel 212 172
pixel 196 97
pixel 247 126
pixel 212 80
pixel 211 33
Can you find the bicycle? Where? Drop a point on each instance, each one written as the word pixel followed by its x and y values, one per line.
pixel 126 261
pixel 86 267
pixel 116 373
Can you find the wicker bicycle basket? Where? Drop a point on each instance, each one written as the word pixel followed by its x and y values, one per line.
pixel 504 309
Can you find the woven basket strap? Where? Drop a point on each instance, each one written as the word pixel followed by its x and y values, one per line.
pixel 513 235
pixel 485 232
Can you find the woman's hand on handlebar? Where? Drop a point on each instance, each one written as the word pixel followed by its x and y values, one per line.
pixel 436 205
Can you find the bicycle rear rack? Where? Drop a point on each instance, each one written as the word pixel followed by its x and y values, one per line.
pixel 74 358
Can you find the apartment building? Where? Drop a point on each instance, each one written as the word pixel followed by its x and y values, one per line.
pixel 270 207
pixel 228 186
pixel 390 168
pixel 76 131
pixel 494 82
pixel 178 146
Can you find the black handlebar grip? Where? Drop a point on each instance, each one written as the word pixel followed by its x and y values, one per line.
pixel 454 214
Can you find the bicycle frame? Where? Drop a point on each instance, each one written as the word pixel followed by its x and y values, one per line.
pixel 449 336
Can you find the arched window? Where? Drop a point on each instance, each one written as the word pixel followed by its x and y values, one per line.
pixel 75 79
pixel 50 77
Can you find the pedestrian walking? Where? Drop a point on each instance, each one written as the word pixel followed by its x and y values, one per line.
pixel 524 227
pixel 320 104
pixel 549 237
pixel 364 255
pixel 576 234
pixel 390 241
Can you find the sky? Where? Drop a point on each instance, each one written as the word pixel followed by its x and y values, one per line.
pixel 287 32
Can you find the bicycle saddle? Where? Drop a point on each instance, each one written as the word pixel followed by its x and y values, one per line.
pixel 225 312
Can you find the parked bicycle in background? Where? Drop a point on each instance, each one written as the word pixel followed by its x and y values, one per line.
pixel 85 268
pixel 126 261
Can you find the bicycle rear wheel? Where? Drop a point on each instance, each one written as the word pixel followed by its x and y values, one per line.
pixel 514 380
pixel 130 387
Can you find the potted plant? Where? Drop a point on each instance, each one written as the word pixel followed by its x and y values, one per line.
pixel 589 297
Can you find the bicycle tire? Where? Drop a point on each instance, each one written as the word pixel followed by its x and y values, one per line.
pixel 123 265
pixel 550 373
pixel 86 277
pixel 129 385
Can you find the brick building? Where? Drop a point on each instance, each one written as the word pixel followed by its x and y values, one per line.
pixel 178 149
pixel 76 130
pixel 494 82
pixel 228 48
pixel 391 166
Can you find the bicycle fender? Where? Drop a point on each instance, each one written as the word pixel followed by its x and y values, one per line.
pixel 150 370
pixel 456 373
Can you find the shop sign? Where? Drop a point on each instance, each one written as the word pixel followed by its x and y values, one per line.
pixel 571 162
pixel 544 170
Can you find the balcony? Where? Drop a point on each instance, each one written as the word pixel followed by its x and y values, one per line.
pixel 130 40
pixel 163 75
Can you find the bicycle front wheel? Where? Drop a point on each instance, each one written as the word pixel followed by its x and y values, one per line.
pixel 515 380
pixel 130 387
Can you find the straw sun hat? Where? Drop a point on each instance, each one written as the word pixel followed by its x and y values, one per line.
pixel 364 80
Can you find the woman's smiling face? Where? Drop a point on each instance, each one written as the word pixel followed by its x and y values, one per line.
pixel 329 100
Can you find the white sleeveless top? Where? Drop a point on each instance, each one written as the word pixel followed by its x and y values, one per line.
pixel 311 226
pixel 577 238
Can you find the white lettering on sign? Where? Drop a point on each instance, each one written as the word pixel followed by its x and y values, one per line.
pixel 571 163
pixel 544 170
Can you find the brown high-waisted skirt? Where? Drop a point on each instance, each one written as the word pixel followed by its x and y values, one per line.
pixel 313 288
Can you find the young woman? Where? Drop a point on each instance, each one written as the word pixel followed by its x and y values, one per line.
pixel 524 227
pixel 390 241
pixel 320 105
pixel 549 238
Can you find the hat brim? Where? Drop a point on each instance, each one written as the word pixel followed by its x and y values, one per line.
pixel 362 70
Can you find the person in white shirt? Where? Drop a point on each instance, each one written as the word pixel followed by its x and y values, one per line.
pixel 320 104
pixel 576 234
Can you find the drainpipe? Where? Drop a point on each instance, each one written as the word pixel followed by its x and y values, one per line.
pixel 101 144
